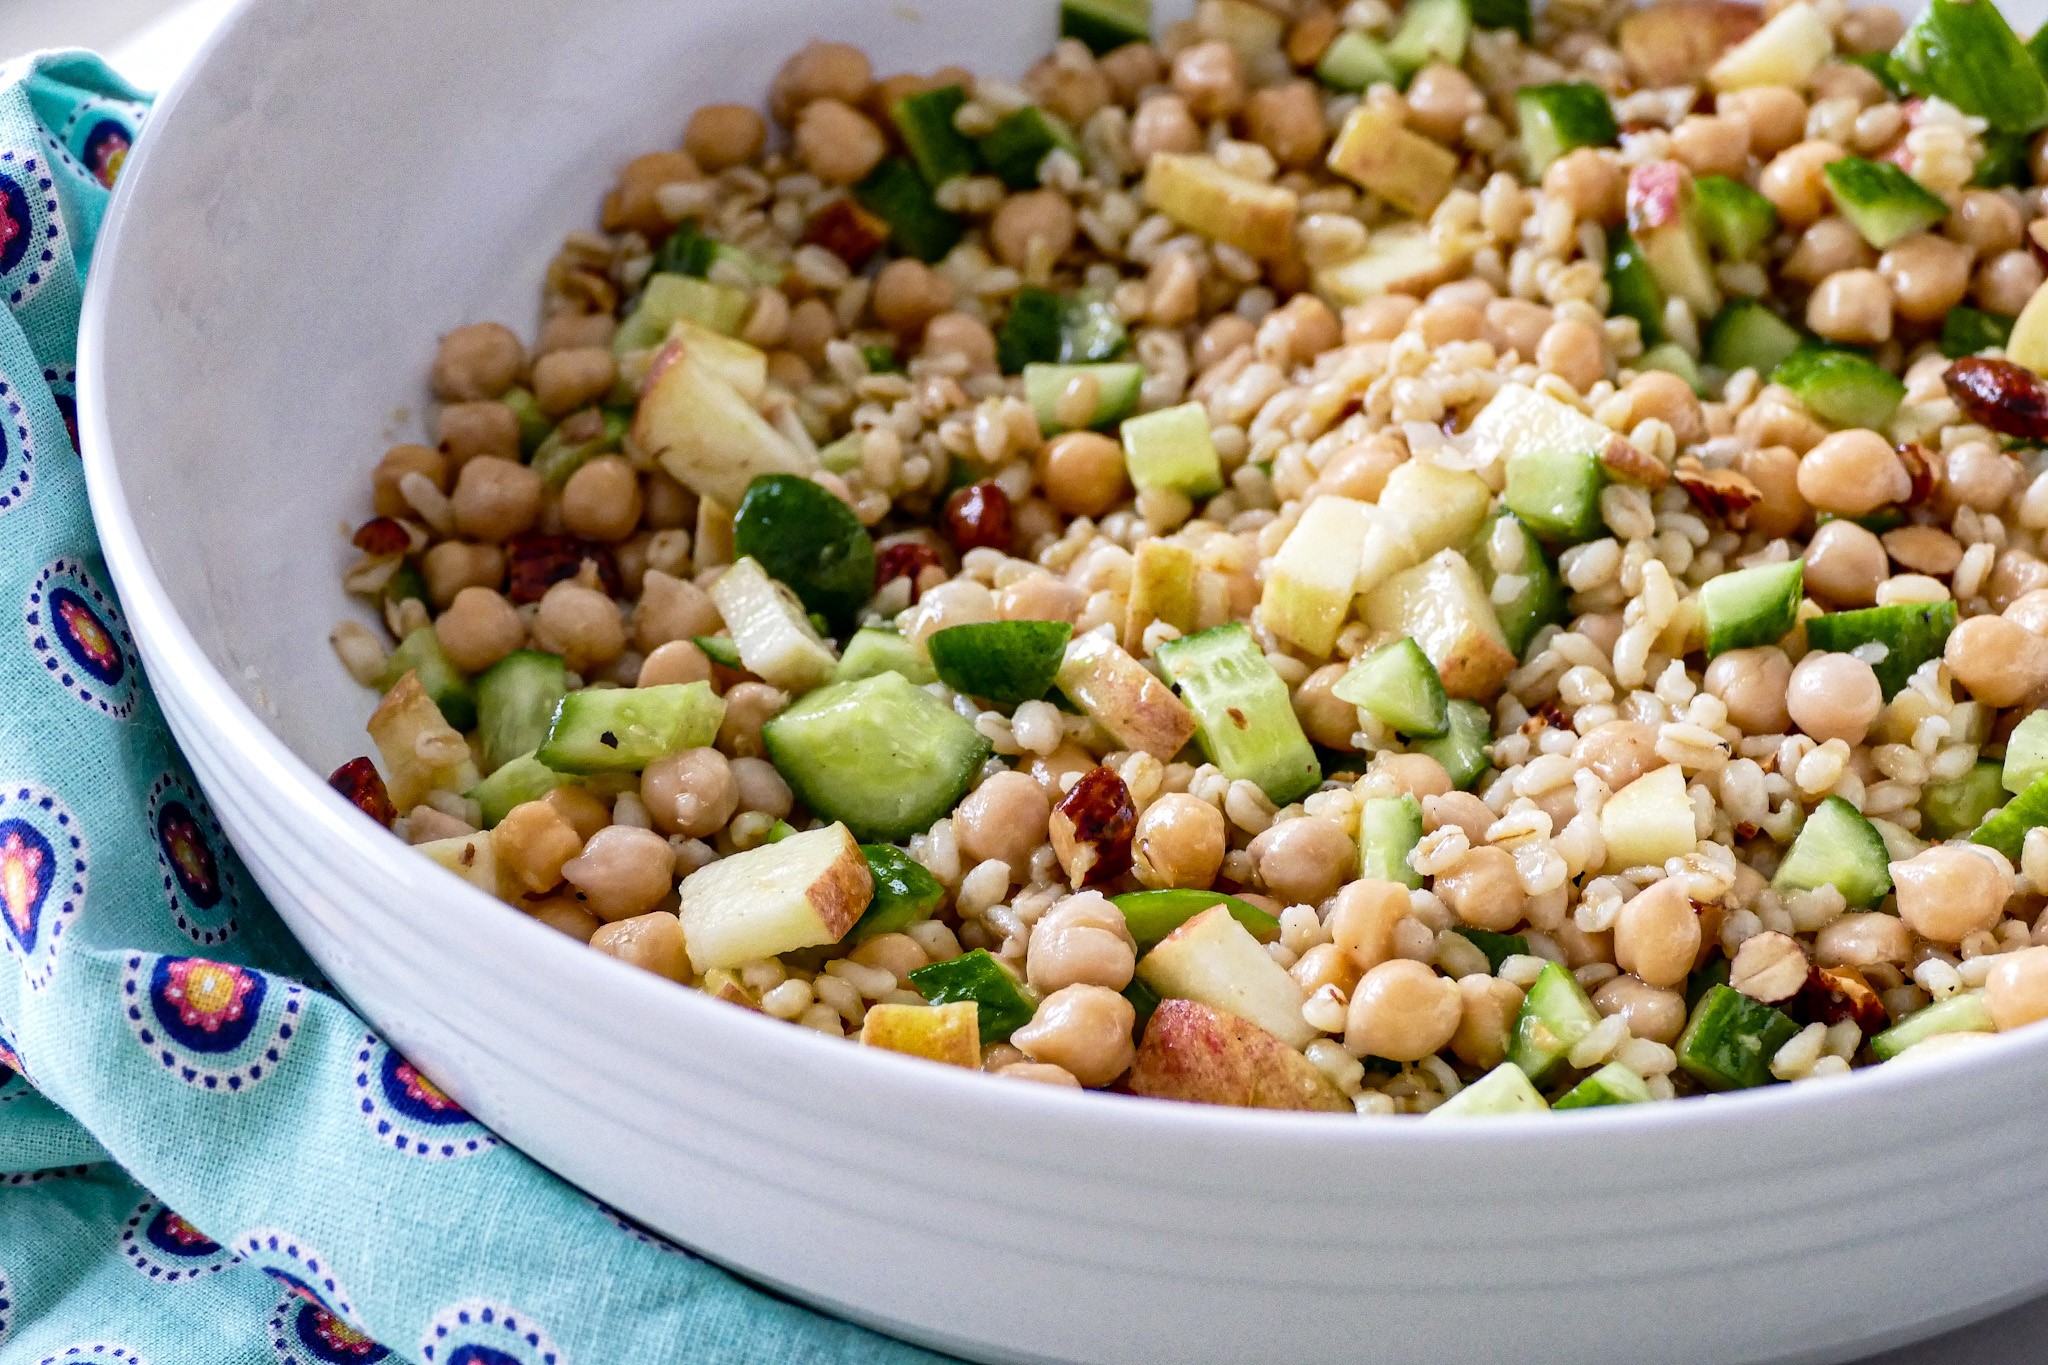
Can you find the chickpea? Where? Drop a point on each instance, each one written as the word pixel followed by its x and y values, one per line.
pixel 634 205
pixel 2015 574
pixel 453 565
pixel 1403 1011
pixel 1657 935
pixel 1037 225
pixel 1005 819
pixel 2029 610
pixel 564 381
pixel 1985 221
pixel 1084 1029
pixel 1575 351
pixel 1486 1020
pixel 1040 597
pixel 1870 28
pixel 479 628
pixel 1483 890
pixel 1948 892
pixel 837 142
pixel 398 462
pixel 2001 662
pixel 495 499
pixel 1163 126
pixel 1834 696
pixel 671 608
pixel 2006 281
pixel 1081 939
pixel 651 942
pixel 1581 948
pixel 1516 325
pixel 1853 473
pixel 571 331
pixel 1305 325
pixel 1440 324
pixel 601 500
pixel 1440 99
pixel 1082 473
pixel 1620 751
pixel 1130 69
pixel 1462 809
pixel 580 624
pixel 1663 395
pixel 761 788
pixel 1846 81
pixel 897 954
pixel 1652 1012
pixel 472 429
pixel 678 661
pixel 1752 683
pixel 1210 77
pixel 961 335
pixel 811 326
pixel 1287 120
pixel 1324 964
pixel 1845 564
pixel 1589 180
pixel 1042 1072
pixel 532 842
pixel 820 70
pixel 1048 770
pixel 1977 474
pixel 1363 920
pixel 721 136
pixel 748 706
pixel 1928 276
pixel 1328 719
pixel 2017 989
pixel 1360 470
pixel 1419 775
pixel 1862 939
pixel 1712 144
pixel 1793 181
pixel 1828 245
pixel 1180 841
pixel 623 871
pixel 1924 549
pixel 1070 83
pixel 1775 471
pixel 1853 306
pixel 1303 861
pixel 1776 116
pixel 692 793
pixel 565 916
pixel 909 294
pixel 475 362
pixel 1221 338
pixel 1380 319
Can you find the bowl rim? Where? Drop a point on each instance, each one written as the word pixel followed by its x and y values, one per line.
pixel 315 810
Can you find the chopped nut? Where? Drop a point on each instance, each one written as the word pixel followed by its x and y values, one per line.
pixel 1092 828
pixel 1769 967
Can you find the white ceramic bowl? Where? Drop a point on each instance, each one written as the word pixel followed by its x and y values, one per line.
pixel 330 188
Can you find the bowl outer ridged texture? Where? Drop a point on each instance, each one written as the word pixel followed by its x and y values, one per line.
pixel 331 187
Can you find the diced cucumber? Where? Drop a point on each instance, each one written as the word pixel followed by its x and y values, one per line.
pixel 1431 31
pixel 687 251
pixel 1738 222
pixel 1152 915
pixel 881 754
pixel 1745 335
pixel 781 830
pixel 1507 548
pixel 1399 685
pixel 1106 25
pixel 1879 64
pixel 1020 142
pixel 1964 1012
pixel 1751 606
pixel 882 649
pixel 1663 213
pixel 1731 1040
pixel 1356 61
pixel 1837 847
pixel 1031 333
pixel 1245 722
pixel 895 193
pixel 1002 1007
pixel 1611 1084
pixel 1508 14
pixel 623 729
pixel 1555 1015
pixel 1963 51
pixel 1949 809
pixel 925 121
pixel 1389 828
pixel 515 782
pixel 1841 387
pixel 2004 162
pixel 904 893
pixel 665 298
pixel 1050 388
pixel 1462 750
pixel 1504 1090
pixel 1560 118
pixel 534 425
pixel 1556 493
pixel 1911 633
pixel 810 540
pixel 1497 947
pixel 1171 448
pixel 576 442
pixel 879 359
pixel 515 703
pixel 844 455
pixel 1144 1001
pixel 722 650
pixel 1673 358
pixel 421 653
pixel 1634 291
pixel 1005 662
pixel 1967 330
pixel 2006 830
pixel 1880 200
pixel 1703 979
pixel 406 583
pixel 2026 753
pixel 1092 331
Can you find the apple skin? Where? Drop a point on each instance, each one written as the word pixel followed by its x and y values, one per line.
pixel 938 1033
pixel 1205 1056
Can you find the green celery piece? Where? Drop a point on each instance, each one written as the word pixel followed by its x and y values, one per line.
pixel 565 451
pixel 1001 1005
pixel 534 425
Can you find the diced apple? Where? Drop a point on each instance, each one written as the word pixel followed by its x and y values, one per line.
pixel 1253 30
pixel 1439 508
pixel 723 983
pixel 1386 551
pixel 769 628
pixel 1520 420
pixel 1196 192
pixel 802 891
pixel 1215 960
pixel 738 364
pixel 1406 169
pixel 1664 219
pixel 2028 344
pixel 1162 589
pixel 1208 1056
pixel 939 1033
pixel 472 858
pixel 1123 696
pixel 1785 51
pixel 1403 259
pixel 1443 607
pixel 422 752
pixel 1673 42
pixel 1648 821
pixel 707 435
pixel 1310 582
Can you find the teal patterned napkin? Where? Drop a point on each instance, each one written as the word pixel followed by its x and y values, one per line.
pixel 163 1043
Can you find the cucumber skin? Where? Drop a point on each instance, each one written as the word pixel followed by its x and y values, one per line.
pixel 811 542
pixel 2006 829
pixel 1963 1013
pixel 1809 865
pixel 1030 335
pixel 1729 1043
pixel 896 193
pixel 1100 27
pixel 1633 289
pixel 1152 915
pixel 1001 1008
pixel 1747 622
pixel 1537 1045
pixel 1736 219
pixel 1841 387
pixel 421 653
pixel 904 893
pixel 1007 662
pixel 1118 386
pixel 1539 604
pixel 1966 331
pixel 1508 14
pixel 1611 1084
pixel 925 121
pixel 1497 947
pixel 1914 633
pixel 1389 827
pixel 1245 722
pixel 1462 752
pixel 1017 144
pixel 1880 200
pixel 1965 52
pixel 1747 335
pixel 516 699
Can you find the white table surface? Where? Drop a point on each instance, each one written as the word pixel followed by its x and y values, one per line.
pixel 149 40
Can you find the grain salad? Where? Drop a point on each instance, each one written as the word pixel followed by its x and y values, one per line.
pixel 1375 559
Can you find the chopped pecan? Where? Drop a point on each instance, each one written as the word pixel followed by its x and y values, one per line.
pixel 537 562
pixel 1833 994
pixel 1769 967
pixel 1919 465
pixel 1092 828
pixel 848 231
pixel 905 559
pixel 363 787
pixel 1724 493
pixel 2008 398
pixel 979 516
pixel 1625 461
pixel 384 536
